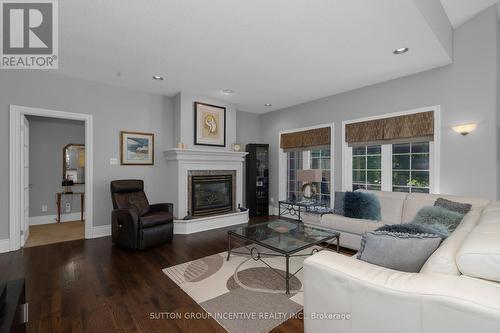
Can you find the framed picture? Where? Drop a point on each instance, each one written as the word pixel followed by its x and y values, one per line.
pixel 137 148
pixel 209 125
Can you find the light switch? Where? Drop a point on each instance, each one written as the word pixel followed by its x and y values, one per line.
pixel 113 161
pixel 44 208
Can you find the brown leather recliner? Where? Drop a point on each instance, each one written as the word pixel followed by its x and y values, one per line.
pixel 135 223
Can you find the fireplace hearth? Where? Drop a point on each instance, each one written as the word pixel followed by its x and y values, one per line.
pixel 211 194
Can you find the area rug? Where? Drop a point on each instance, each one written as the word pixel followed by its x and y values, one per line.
pixel 243 295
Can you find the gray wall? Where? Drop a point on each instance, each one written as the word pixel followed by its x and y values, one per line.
pixel 498 108
pixel 48 136
pixel 184 119
pixel 466 91
pixel 114 109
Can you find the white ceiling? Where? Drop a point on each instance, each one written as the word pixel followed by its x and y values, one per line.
pixel 283 52
pixel 460 11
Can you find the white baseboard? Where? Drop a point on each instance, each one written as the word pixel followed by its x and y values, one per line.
pixel 4 245
pixel 208 223
pixel 48 219
pixel 101 231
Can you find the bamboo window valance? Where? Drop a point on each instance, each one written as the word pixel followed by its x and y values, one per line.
pixel 304 139
pixel 417 125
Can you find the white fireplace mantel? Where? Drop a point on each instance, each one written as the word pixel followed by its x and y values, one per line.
pixel 180 162
pixel 176 154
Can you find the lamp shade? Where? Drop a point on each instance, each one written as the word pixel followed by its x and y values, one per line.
pixel 465 128
pixel 309 176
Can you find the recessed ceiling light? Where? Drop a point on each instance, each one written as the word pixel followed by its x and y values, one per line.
pixel 157 77
pixel 268 104
pixel 401 50
pixel 227 91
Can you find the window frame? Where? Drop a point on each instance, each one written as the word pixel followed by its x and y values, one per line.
pixel 282 165
pixel 434 152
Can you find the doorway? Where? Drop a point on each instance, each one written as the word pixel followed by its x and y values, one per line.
pixel 20 184
pixel 55 184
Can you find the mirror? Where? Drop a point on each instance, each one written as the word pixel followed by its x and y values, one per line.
pixel 74 163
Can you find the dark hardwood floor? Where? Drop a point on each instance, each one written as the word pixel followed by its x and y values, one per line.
pixel 93 286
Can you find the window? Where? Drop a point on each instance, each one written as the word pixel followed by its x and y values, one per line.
pixel 367 167
pixel 319 159
pixel 410 167
pixel 294 163
pixel 401 167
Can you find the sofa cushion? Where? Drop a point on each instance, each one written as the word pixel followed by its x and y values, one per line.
pixel 442 261
pixel 361 205
pixel 347 224
pixel 479 255
pixel 399 251
pixel 155 218
pixel 391 205
pixel 415 201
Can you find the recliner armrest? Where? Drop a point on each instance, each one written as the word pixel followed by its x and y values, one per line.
pixel 162 207
pixel 125 217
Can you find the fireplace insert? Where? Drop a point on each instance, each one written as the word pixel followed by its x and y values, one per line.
pixel 211 194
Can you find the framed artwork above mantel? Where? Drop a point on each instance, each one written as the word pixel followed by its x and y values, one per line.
pixel 209 125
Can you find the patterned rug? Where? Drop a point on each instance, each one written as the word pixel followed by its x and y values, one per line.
pixel 243 295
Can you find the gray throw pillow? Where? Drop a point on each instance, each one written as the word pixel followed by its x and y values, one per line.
pixel 399 251
pixel 433 215
pixel 458 207
pixel 338 203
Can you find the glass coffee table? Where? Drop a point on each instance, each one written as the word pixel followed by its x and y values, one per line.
pixel 282 239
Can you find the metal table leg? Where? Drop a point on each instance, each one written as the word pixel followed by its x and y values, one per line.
pixel 228 246
pixel 287 276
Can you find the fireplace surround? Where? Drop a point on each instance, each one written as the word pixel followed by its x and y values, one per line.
pixel 182 165
pixel 211 192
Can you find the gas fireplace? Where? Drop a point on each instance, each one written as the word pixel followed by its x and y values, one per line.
pixel 211 193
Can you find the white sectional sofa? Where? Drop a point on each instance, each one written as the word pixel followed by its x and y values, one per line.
pixel 394 208
pixel 457 290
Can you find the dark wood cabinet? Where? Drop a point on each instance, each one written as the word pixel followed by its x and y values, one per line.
pixel 257 179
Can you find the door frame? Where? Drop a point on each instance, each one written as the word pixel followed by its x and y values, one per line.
pixel 15 209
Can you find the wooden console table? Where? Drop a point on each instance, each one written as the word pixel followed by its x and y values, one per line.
pixel 58 203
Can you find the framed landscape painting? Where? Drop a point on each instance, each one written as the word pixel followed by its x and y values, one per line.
pixel 137 148
pixel 210 125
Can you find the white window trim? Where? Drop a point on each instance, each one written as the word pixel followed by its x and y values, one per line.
pixel 282 161
pixel 434 151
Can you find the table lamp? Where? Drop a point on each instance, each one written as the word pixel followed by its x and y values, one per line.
pixel 308 177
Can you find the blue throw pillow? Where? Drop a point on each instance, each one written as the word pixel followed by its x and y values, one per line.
pixel 361 205
pixel 414 229
pixel 434 216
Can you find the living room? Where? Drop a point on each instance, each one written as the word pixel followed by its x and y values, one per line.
pixel 233 148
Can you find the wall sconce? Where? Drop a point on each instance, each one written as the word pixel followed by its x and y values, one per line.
pixel 464 129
